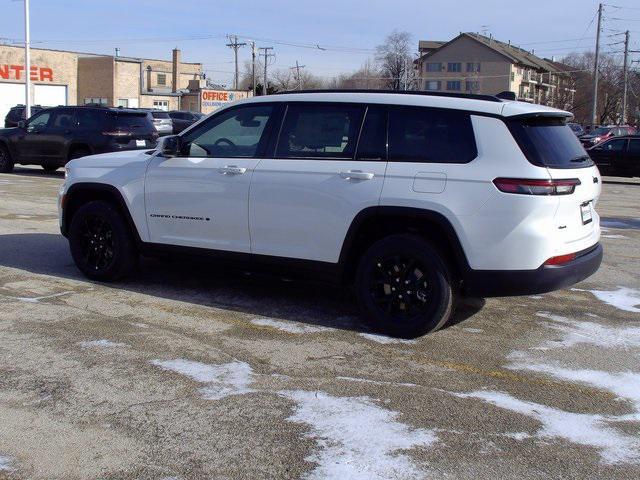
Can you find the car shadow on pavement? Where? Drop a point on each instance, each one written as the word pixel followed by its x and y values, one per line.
pixel 207 284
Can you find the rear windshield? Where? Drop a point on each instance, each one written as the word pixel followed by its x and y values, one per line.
pixel 132 121
pixel 549 142
pixel 601 131
pixel 160 115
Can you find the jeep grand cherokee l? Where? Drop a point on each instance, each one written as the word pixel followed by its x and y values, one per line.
pixel 53 136
pixel 415 199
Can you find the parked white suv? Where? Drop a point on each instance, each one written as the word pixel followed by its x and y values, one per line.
pixel 413 198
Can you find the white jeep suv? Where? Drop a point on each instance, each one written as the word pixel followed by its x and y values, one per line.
pixel 413 198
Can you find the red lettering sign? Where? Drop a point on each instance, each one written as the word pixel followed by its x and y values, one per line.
pixel 14 72
pixel 215 96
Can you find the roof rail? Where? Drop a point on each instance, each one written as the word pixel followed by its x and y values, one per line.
pixel 471 96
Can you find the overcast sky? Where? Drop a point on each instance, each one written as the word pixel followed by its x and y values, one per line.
pixel 349 29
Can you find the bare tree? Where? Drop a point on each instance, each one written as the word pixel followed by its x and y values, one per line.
pixel 395 61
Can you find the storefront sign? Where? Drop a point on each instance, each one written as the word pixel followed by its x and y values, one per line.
pixel 16 72
pixel 211 100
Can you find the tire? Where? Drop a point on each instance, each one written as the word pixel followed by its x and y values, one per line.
pixel 79 152
pixel 426 300
pixel 101 243
pixel 6 162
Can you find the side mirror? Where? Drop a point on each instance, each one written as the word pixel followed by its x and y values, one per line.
pixel 22 124
pixel 170 146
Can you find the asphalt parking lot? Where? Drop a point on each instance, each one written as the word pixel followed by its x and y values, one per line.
pixel 190 372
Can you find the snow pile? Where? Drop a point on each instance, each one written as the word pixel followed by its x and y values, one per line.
pixel 384 339
pixel 289 327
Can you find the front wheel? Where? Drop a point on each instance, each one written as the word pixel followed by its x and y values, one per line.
pixel 101 244
pixel 6 163
pixel 404 287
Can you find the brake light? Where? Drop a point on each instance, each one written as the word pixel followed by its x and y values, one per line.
pixel 117 134
pixel 525 186
pixel 561 259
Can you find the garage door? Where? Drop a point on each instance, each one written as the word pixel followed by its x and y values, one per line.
pixel 11 94
pixel 49 95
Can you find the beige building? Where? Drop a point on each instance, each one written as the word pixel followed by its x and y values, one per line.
pixel 135 82
pixel 474 63
pixel 75 78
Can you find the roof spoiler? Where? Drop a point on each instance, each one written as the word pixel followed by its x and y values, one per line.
pixel 507 95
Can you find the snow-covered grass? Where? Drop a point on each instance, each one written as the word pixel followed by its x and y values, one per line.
pixel 5 463
pixel 582 429
pixel 384 339
pixel 219 381
pixel 624 298
pixel 289 327
pixel 356 438
pixel 103 343
pixel 584 332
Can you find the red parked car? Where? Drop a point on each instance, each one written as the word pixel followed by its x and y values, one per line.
pixel 601 134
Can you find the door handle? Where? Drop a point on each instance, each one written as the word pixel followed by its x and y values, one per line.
pixel 232 170
pixel 356 175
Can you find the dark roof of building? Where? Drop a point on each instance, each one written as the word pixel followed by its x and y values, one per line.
pixel 430 44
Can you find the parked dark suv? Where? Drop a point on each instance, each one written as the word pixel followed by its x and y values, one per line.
pixel 56 135
pixel 184 119
pixel 16 115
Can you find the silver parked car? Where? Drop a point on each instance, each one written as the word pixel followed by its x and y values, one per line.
pixel 162 121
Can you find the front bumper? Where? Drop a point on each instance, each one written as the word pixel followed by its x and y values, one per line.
pixel 547 278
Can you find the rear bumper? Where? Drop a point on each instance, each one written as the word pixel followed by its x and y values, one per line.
pixel 500 283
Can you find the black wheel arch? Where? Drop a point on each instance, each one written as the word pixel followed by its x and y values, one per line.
pixel 81 193
pixel 374 223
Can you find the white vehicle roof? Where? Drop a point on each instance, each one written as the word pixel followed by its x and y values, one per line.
pixel 477 103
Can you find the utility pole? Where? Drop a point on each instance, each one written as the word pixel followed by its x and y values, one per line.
pixel 27 61
pixel 266 60
pixel 594 107
pixel 253 67
pixel 297 69
pixel 623 118
pixel 233 43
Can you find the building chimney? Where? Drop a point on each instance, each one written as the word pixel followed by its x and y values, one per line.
pixel 176 69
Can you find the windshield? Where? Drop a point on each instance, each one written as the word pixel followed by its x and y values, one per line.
pixel 601 131
pixel 549 142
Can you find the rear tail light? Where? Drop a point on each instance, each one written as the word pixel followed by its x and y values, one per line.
pixel 117 134
pixel 561 259
pixel 525 186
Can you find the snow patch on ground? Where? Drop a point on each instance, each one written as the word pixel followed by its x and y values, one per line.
pixel 613 236
pixel 384 339
pixel 623 298
pixel 139 325
pixel 289 327
pixel 578 332
pixel 101 344
pixel 582 429
pixel 623 384
pixel 376 382
pixel 5 463
pixel 39 299
pixel 220 381
pixel 473 330
pixel 356 438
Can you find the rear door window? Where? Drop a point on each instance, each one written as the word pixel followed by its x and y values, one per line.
pixel 373 139
pixel 634 147
pixel 430 135
pixel 320 130
pixel 89 119
pixel 614 145
pixel 63 119
pixel 549 142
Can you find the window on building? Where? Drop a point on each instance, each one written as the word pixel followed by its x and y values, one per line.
pixel 432 85
pixel 315 130
pixel 161 104
pixel 162 79
pixel 454 67
pixel 473 67
pixel 434 67
pixel 234 134
pixel 123 102
pixel 95 101
pixel 472 86
pixel 453 85
pixel 430 135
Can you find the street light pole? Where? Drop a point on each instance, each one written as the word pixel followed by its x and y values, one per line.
pixel 594 106
pixel 27 61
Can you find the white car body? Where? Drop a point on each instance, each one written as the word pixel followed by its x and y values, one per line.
pixel 304 209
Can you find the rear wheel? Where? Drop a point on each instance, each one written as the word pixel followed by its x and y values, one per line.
pixel 6 162
pixel 101 243
pixel 404 287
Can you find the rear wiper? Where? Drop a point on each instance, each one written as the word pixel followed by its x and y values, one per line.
pixel 582 158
